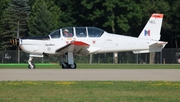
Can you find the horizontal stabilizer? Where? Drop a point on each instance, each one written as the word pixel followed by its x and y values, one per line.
pixel 141 51
pixel 156 47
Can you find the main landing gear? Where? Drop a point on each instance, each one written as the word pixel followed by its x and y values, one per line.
pixel 65 65
pixel 70 61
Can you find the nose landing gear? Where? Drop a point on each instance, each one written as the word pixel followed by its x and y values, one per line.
pixel 31 65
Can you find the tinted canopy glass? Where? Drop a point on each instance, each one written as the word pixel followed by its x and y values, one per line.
pixel 95 32
pixel 81 31
pixel 55 34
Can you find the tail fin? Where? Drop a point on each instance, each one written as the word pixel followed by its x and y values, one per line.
pixel 153 27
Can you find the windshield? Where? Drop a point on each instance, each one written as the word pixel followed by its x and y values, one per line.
pixel 95 32
pixel 55 34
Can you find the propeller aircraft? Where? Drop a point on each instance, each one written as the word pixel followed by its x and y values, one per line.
pixel 69 41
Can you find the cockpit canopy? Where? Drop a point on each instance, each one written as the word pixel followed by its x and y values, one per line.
pixel 79 32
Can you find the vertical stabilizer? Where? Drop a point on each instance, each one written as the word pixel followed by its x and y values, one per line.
pixel 153 27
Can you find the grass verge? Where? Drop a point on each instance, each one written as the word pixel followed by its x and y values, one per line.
pixel 89 91
pixel 95 66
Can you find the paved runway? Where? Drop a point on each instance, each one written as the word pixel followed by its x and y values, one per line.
pixel 90 74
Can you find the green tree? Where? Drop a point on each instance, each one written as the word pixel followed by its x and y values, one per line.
pixel 113 15
pixel 17 11
pixel 172 24
pixel 70 11
pixel 3 6
pixel 110 6
pixel 91 13
pixel 129 17
pixel 44 18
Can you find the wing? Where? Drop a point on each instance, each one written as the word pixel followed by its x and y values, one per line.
pixel 77 47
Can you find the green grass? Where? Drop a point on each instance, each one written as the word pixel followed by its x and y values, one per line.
pixel 95 66
pixel 89 91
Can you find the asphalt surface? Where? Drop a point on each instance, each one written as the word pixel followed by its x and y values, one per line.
pixel 89 74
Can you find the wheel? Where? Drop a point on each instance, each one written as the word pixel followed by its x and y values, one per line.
pixel 31 67
pixel 73 66
pixel 64 65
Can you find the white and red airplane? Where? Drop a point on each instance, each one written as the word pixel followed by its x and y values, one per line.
pixel 70 41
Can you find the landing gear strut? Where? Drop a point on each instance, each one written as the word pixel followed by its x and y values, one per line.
pixel 31 65
pixel 69 64
pixel 70 61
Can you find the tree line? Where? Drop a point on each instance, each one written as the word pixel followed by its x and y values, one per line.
pixel 125 17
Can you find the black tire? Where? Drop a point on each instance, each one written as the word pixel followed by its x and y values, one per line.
pixel 65 65
pixel 73 67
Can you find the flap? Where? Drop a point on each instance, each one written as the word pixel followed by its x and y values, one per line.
pixel 93 49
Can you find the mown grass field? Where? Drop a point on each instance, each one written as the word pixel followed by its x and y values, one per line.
pixel 95 66
pixel 89 91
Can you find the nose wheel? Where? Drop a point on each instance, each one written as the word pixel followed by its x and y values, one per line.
pixel 31 65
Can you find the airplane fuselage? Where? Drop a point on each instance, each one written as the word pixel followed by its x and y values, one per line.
pixel 106 43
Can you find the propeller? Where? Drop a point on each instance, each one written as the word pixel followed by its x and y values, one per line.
pixel 14 42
